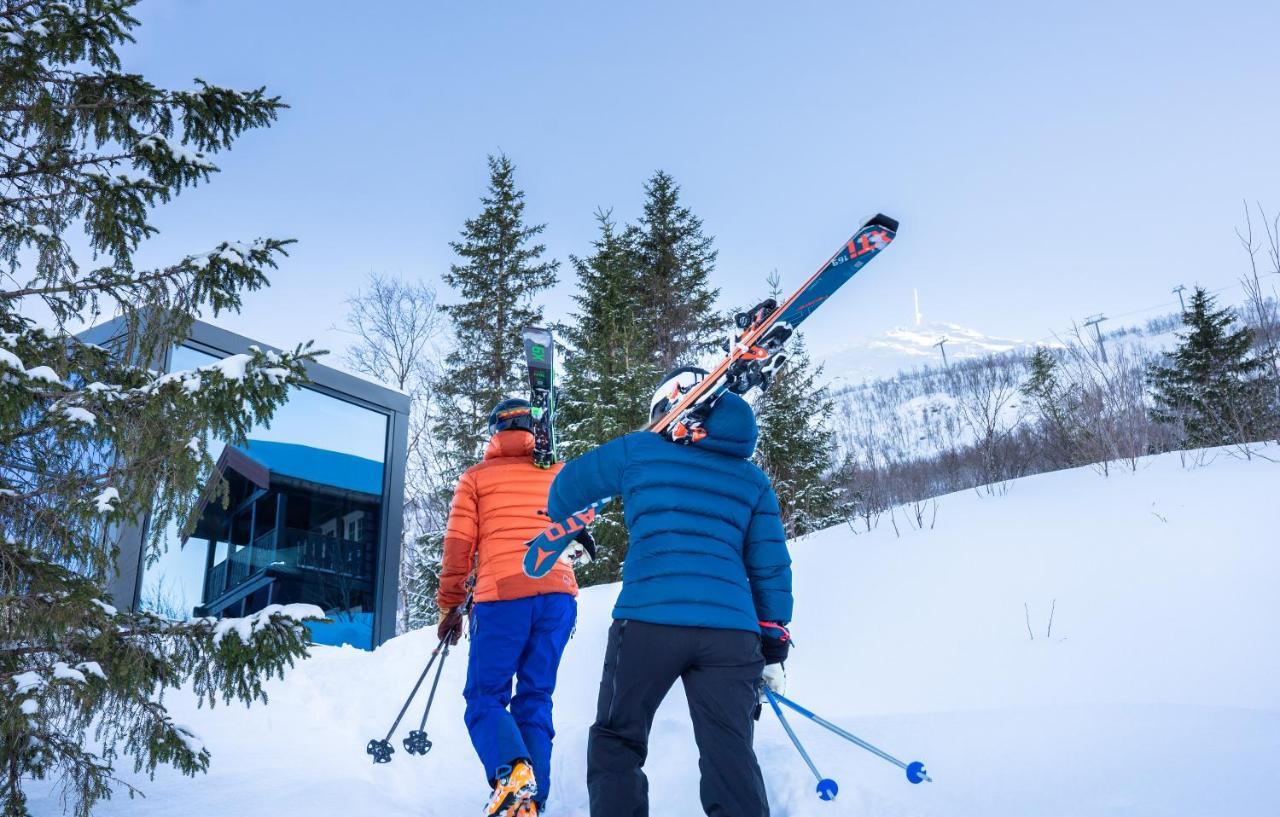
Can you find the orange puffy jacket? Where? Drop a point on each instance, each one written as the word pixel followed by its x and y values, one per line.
pixel 500 504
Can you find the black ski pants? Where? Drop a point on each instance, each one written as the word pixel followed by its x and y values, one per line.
pixel 721 671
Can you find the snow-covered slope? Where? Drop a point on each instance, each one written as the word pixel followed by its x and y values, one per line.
pixel 904 348
pixel 1154 694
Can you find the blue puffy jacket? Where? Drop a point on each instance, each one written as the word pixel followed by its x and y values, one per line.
pixel 707 546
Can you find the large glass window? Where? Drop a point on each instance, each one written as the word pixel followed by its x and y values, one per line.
pixel 301 521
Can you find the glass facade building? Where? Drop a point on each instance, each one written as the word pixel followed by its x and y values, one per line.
pixel 312 512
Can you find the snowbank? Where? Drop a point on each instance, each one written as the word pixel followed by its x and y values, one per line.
pixel 1153 694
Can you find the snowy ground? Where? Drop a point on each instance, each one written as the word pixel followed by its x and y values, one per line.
pixel 1155 694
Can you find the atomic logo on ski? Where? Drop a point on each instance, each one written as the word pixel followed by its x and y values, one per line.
pixel 556 539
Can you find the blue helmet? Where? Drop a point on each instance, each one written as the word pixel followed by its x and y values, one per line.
pixel 511 413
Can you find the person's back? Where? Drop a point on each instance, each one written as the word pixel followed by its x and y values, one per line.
pixel 519 625
pixel 707 566
pixel 499 505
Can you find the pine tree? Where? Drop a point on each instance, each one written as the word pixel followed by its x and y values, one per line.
pixel 93 440
pixel 797 445
pixel 1059 406
pixel 608 369
pixel 500 274
pixel 675 261
pixel 1212 386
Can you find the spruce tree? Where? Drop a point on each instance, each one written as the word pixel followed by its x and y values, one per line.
pixel 797 445
pixel 609 370
pixel 500 274
pixel 676 261
pixel 1058 405
pixel 93 440
pixel 1212 387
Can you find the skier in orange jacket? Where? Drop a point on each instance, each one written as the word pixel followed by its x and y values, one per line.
pixel 519 625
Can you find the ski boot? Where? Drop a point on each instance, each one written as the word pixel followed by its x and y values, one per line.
pixel 513 791
pixel 528 809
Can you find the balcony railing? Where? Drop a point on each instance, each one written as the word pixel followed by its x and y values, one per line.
pixel 301 550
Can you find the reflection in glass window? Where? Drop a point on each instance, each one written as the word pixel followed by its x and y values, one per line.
pixel 301 521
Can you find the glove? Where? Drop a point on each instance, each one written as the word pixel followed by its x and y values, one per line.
pixel 450 627
pixel 582 551
pixel 775 642
pixel 775 679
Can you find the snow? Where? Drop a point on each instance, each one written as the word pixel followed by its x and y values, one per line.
pixel 232 368
pixel 106 501
pixel 64 672
pixel 30 707
pixel 79 415
pixel 189 738
pixel 92 668
pixel 1152 694
pixel 904 347
pixel 106 608
pixel 244 628
pixel 26 682
pixel 179 153
pixel 44 373
pixel 10 360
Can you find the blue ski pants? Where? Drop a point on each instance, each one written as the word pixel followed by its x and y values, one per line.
pixel 521 639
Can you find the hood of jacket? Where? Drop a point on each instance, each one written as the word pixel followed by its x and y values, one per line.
pixel 731 428
pixel 514 442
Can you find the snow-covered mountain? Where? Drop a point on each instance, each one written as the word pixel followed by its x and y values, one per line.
pixel 906 347
pixel 1041 660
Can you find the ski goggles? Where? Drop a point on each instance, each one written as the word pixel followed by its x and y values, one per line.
pixel 515 417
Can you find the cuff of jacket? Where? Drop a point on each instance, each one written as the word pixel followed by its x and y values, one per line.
pixel 775 641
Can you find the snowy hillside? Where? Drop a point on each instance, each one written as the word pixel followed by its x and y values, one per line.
pixel 1154 694
pixel 904 348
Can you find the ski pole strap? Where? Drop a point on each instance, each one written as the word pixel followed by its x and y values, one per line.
pixel 777 710
pixel 413 693
pixel 773 629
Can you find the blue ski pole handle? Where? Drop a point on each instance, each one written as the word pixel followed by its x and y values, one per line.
pixel 827 788
pixel 915 770
pixel 548 546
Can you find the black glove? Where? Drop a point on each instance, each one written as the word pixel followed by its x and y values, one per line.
pixel 775 642
pixel 587 541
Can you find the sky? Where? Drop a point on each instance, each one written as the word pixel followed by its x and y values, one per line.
pixel 1047 161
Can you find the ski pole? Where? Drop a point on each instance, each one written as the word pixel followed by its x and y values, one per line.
pixel 417 743
pixel 381 750
pixel 827 788
pixel 915 770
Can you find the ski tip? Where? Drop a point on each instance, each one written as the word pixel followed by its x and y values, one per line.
pixel 828 789
pixel 881 220
pixel 916 773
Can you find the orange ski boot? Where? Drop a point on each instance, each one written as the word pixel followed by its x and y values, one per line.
pixel 514 791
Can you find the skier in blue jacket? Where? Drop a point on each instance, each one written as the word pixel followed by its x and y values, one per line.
pixel 706 597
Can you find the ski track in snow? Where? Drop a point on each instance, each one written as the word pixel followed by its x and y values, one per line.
pixel 1154 695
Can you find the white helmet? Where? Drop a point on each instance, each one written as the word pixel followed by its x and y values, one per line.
pixel 675 385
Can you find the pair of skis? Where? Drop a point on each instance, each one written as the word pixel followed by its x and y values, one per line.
pixel 754 356
pixel 540 363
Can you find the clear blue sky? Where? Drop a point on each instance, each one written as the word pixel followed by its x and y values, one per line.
pixel 1047 160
